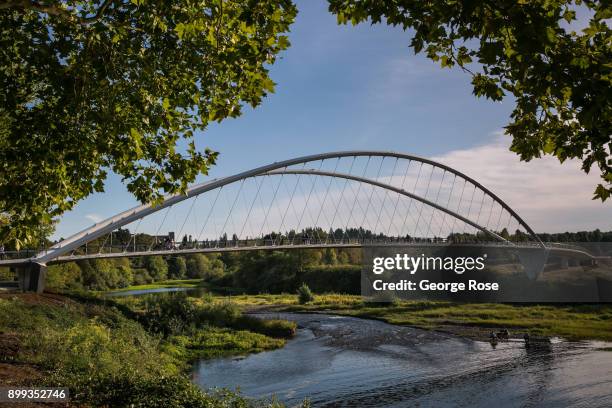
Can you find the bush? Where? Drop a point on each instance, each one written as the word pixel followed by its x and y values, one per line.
pixel 333 278
pixel 169 314
pixel 132 389
pixel 174 313
pixel 304 294
pixel 96 348
pixel 83 338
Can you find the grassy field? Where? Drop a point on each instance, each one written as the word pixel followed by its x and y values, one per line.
pixel 475 320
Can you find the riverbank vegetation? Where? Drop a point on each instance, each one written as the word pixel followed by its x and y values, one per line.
pixel 331 271
pixel 135 352
pixel 474 320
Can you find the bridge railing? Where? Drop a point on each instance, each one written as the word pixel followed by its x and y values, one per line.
pixel 161 248
pixel 245 243
pixel 25 253
pixel 251 243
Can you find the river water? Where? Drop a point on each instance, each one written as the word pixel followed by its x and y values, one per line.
pixel 348 362
pixel 197 292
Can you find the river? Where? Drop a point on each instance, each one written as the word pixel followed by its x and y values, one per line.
pixel 348 362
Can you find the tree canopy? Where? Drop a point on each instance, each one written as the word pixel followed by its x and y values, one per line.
pixel 92 86
pixel 559 78
pixel 98 86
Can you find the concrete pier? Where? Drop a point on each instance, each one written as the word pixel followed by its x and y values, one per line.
pixel 32 277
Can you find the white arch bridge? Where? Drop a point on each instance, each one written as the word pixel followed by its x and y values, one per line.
pixel 339 199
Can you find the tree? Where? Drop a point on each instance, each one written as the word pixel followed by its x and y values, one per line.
pixel 157 267
pixel 177 267
pixel 92 86
pixel 560 79
pixel 125 275
pixel 196 265
pixel 310 257
pixel 330 257
pixel 204 267
pixel 64 276
pixel 304 294
pixel 103 274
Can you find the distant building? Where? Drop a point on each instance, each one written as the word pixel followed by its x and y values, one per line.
pixel 165 241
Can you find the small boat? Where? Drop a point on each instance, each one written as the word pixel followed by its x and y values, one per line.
pixel 536 341
pixel 503 334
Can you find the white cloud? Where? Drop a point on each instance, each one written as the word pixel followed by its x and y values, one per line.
pixel 94 217
pixel 549 196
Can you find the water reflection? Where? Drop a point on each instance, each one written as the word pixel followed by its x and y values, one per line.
pixel 348 362
pixel 194 292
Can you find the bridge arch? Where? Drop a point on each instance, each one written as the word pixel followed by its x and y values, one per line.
pixel 297 166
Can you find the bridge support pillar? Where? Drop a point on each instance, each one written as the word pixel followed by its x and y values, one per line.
pixel 32 277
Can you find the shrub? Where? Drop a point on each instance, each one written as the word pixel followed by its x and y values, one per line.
pixel 107 359
pixel 169 314
pixel 304 294
pixel 174 314
pixel 128 389
pixel 83 338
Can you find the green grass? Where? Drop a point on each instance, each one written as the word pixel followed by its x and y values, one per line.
pixel 219 342
pixel 570 321
pixel 172 283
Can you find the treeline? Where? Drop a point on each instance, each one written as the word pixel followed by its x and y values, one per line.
pixel 520 236
pixel 123 240
pixel 328 270
pixel 580 236
pixel 104 274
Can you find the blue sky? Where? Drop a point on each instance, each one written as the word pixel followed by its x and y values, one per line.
pixel 345 87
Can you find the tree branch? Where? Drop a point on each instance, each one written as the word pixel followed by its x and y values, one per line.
pixel 55 10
